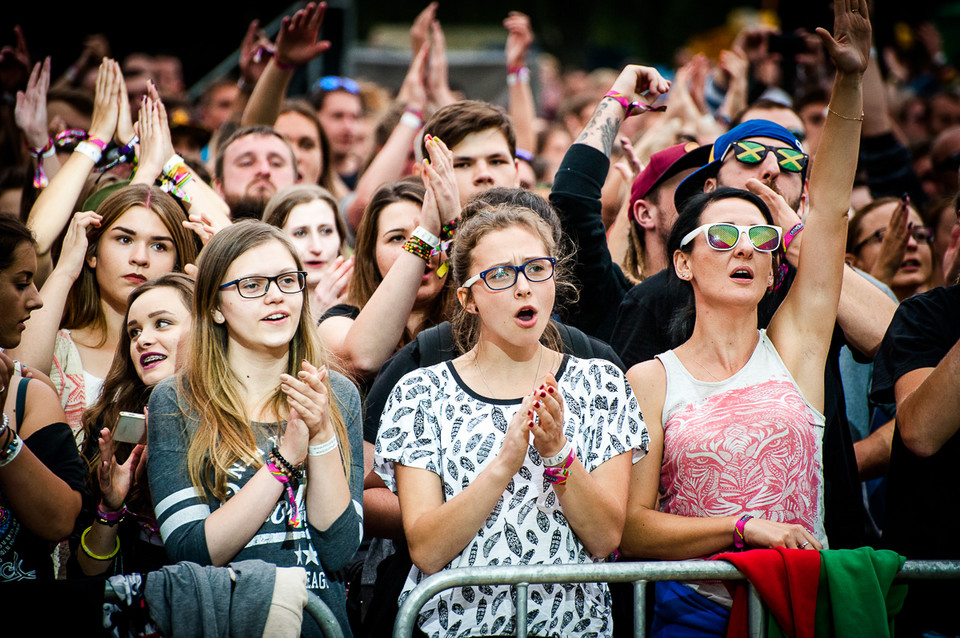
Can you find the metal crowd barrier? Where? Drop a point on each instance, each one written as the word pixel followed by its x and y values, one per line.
pixel 639 573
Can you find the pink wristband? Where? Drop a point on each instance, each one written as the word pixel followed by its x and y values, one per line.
pixel 283 65
pixel 738 539
pixel 790 234
pixel 98 143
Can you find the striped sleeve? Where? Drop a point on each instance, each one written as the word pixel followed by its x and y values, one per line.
pixel 180 508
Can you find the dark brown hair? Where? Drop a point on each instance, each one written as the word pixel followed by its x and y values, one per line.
pixel 455 121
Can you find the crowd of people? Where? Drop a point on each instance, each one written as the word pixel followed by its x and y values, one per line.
pixel 272 344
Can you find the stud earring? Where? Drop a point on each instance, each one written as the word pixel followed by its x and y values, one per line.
pixel 217 316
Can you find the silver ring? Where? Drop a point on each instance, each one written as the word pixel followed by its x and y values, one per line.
pixel 805 543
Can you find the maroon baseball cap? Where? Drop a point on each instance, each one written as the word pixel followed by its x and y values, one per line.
pixel 664 165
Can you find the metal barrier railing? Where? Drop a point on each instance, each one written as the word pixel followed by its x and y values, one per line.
pixel 639 573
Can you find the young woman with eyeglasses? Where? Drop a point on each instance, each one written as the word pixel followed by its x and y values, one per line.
pixel 734 412
pixel 254 447
pixel 512 453
pixel 887 238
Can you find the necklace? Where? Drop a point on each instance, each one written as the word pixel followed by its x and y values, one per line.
pixel 535 376
pixel 697 361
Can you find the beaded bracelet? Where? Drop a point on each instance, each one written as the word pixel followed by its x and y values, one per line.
pixel 426 237
pixel 418 247
pixel 290 471
pixel 447 230
pixel 284 480
pixel 111 519
pixel 86 550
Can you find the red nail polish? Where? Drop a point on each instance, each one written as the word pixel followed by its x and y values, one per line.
pixel 550 389
pixel 543 394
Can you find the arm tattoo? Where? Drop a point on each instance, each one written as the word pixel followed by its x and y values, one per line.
pixel 602 128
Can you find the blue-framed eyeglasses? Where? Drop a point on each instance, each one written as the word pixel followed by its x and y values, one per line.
pixel 503 277
pixel 288 283
pixel 337 83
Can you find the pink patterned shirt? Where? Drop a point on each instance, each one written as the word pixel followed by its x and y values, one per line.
pixel 750 444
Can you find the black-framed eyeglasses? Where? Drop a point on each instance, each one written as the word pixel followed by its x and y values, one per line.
pixel 503 277
pixel 337 83
pixel 288 283
pixel 920 234
pixel 752 153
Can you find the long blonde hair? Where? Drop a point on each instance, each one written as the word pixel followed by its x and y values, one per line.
pixel 212 390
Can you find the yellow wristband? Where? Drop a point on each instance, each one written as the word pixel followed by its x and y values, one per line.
pixel 86 550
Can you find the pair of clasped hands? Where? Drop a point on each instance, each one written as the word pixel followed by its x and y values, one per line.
pixel 540 415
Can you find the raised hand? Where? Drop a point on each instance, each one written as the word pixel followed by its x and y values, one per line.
pixel 31 109
pixel 951 258
pixel 641 82
pixel 420 29
pixel 255 51
pixel 116 479
pixel 106 109
pixel 547 428
pixel 442 180
pixel 413 91
pixel 124 132
pixel 156 146
pixel 438 83
pixel 894 245
pixel 74 251
pixel 519 39
pixel 297 40
pixel 14 62
pixel 849 47
pixel 332 287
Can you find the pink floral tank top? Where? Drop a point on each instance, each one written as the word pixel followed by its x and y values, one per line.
pixel 750 444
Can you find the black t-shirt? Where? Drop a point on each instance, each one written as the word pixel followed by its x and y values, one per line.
pixel 923 494
pixel 24 555
pixel 341 310
pixel 642 331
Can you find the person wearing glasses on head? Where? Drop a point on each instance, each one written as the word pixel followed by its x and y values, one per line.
pixel 887 239
pixel 254 447
pixel 735 412
pixel 511 453
pixel 339 105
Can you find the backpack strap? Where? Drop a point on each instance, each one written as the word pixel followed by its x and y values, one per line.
pixel 436 344
pixel 575 342
pixel 21 404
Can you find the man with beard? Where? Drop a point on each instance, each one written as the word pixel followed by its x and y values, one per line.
pixel 765 151
pixel 252 165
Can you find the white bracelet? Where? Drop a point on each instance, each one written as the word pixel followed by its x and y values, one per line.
pixel 427 237
pixel 13 449
pixel 90 150
pixel 559 457
pixel 411 120
pixel 323 448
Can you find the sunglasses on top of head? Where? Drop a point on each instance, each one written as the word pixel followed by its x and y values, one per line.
pixel 336 83
pixel 722 237
pixel 752 153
